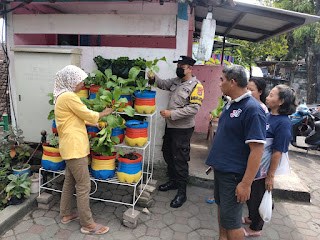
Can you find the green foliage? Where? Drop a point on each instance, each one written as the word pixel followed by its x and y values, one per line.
pixel 19 186
pixel 142 84
pixel 121 61
pixel 139 62
pixel 152 65
pixel 53 140
pixel 104 143
pixel 275 48
pixel 51 115
pixel 102 63
pixel 304 37
pixel 215 113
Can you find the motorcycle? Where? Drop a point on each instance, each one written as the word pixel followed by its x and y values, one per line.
pixel 306 124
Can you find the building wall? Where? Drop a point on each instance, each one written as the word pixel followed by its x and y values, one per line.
pixel 209 76
pixel 179 28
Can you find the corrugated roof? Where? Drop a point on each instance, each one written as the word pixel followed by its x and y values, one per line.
pixel 250 22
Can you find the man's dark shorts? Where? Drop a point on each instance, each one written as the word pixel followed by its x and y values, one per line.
pixel 225 195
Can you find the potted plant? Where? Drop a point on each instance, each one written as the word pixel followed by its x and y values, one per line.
pixel 5 168
pixel 136 133
pixel 51 115
pixel 145 101
pixel 35 181
pixel 129 168
pixel 19 151
pixel 51 158
pixel 104 155
pixel 18 189
pixel 102 63
pixel 121 67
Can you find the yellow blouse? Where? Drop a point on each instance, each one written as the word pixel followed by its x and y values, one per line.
pixel 71 115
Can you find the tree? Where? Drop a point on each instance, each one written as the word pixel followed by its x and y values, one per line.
pixel 304 41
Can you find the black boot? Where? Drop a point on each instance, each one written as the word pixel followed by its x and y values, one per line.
pixel 171 185
pixel 181 196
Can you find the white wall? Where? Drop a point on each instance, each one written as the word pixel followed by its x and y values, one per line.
pixel 88 53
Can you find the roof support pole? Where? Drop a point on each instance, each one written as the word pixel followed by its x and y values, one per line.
pixel 223 46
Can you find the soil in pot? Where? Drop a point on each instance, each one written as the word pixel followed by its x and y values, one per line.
pixel 130 156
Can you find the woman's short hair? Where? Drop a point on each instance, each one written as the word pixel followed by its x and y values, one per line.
pixel 288 94
pixel 261 86
pixel 238 73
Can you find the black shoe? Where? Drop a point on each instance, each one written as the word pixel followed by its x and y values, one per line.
pixel 171 185
pixel 178 200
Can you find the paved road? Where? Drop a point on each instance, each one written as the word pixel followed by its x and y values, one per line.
pixel 195 220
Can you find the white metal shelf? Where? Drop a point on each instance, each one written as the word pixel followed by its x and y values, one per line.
pixel 146 171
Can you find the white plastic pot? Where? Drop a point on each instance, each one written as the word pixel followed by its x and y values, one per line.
pixel 35 184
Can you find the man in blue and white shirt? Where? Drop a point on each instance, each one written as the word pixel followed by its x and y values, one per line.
pixel 236 151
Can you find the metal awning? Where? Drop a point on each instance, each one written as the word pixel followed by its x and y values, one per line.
pixel 219 44
pixel 250 22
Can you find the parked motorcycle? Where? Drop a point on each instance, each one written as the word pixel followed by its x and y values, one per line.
pixel 306 123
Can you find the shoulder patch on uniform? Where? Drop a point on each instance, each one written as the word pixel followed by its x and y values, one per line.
pixel 197 94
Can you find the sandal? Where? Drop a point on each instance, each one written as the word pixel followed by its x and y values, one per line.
pixel 95 230
pixel 248 234
pixel 210 199
pixel 74 217
pixel 244 220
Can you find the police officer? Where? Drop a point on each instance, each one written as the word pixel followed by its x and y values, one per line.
pixel 184 103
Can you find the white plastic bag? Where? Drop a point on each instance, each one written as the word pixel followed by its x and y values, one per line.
pixel 265 208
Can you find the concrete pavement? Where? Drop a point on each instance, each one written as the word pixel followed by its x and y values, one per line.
pixel 194 220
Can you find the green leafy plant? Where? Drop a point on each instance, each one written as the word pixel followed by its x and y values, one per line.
pixel 152 65
pixel 53 140
pixel 19 186
pixel 139 62
pixel 102 63
pixel 51 115
pixel 142 84
pixel 19 150
pixel 121 61
pixel 104 142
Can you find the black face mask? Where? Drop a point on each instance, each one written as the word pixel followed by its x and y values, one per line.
pixel 180 73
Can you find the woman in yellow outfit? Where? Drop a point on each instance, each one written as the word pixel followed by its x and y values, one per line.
pixel 71 115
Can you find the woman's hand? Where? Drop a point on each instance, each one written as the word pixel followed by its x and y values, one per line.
pixel 105 112
pixel 269 183
pixel 108 111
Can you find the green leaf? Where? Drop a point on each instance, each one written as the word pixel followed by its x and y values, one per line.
pixel 98 108
pixel 112 121
pixel 121 152
pixel 101 140
pixel 129 111
pixel 10 187
pixel 97 72
pixel 156 68
pixel 133 73
pixel 116 93
pixel 149 64
pixel 108 73
pixel 51 115
pixel 12 177
pixel 122 81
pixel 115 139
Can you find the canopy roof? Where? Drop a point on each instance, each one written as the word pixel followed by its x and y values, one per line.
pixel 250 22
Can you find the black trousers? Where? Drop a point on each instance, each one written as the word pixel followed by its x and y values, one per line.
pixel 176 153
pixel 257 190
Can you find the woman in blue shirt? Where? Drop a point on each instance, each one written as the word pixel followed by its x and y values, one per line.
pixel 281 102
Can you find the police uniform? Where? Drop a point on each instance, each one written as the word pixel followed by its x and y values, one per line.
pixel 185 101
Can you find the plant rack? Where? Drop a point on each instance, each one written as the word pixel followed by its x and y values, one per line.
pixel 147 167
